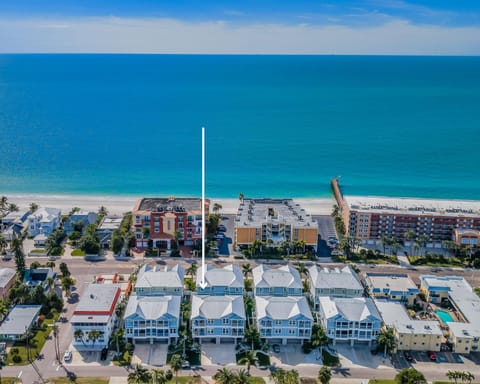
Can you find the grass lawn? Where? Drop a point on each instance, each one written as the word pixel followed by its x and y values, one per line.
pixel 78 252
pixel 379 381
pixel 80 380
pixel 443 262
pixel 256 380
pixel 38 341
pixel 477 291
pixel 329 360
pixel 10 380
pixel 38 250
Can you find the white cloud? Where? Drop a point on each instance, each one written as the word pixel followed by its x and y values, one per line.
pixel 130 35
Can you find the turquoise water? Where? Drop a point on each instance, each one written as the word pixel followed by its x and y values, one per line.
pixel 444 316
pixel 276 125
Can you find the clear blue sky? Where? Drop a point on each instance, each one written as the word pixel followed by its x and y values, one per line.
pixel 450 22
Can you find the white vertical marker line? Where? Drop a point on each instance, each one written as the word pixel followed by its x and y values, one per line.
pixel 204 227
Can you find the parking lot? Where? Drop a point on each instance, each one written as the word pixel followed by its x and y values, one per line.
pixel 360 356
pixel 221 354
pixel 151 354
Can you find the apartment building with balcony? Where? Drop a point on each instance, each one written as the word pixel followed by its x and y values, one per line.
pixel 464 327
pixel 163 221
pixel 95 311
pixel 227 280
pixel 282 281
pixel 393 286
pixel 371 218
pixel 274 221
pixel 334 282
pixel 283 319
pixel 150 319
pixel 160 281
pixel 410 334
pixel 352 320
pixel 218 319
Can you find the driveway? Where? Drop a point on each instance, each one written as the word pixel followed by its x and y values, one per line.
pixel 220 354
pixel 360 356
pixel 293 355
pixel 151 354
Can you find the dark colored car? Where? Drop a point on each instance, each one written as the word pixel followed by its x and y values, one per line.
pixel 408 356
pixel 103 354
pixel 221 228
pixel 276 348
pixel 432 356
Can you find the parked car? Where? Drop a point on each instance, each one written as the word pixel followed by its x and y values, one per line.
pixel 103 354
pixel 432 356
pixel 219 236
pixel 221 228
pixel 408 356
pixel 185 364
pixel 67 356
pixel 276 348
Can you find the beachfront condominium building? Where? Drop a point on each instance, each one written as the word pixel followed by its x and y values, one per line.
pixel 283 319
pixel 274 221
pixel 220 319
pixel 354 319
pixel 220 281
pixel 371 218
pixel 152 319
pixel 410 334
pixel 161 221
pixel 393 286
pixel 94 318
pixel 334 282
pixel 43 220
pixel 282 281
pixel 464 323
pixel 160 281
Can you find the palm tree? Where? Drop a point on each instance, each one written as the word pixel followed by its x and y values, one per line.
pixel 252 335
pixel 302 269
pixel 384 241
pixel 56 331
pixel 176 365
pixel 177 235
pixel 468 376
pixel 306 286
pixel 386 340
pixel 240 196
pixel 249 359
pixel 454 375
pixel 67 283
pixel 319 337
pixel 224 376
pixel 3 243
pixel 13 207
pixel 192 270
pixel 3 204
pixel 422 242
pixel 159 376
pixel 33 207
pixel 410 376
pixel 241 377
pixel 94 335
pixel 324 375
pixel 78 335
pixel 102 211
pixel 3 309
pixel 247 269
pixel 217 207
pixel 139 375
pixel 17 248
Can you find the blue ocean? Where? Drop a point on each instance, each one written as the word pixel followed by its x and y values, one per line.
pixel 276 125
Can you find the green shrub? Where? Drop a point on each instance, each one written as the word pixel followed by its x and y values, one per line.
pixel 14 351
pixel 17 359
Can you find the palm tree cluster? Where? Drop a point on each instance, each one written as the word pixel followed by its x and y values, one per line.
pixel 386 341
pixel 227 376
pixel 282 376
pixel 463 376
pixel 6 207
pixel 410 376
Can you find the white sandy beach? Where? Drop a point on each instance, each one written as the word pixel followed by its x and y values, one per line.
pixel 121 204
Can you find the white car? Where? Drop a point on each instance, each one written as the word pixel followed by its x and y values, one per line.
pixel 67 356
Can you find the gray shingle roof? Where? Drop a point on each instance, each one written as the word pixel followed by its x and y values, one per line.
pixel 160 277
pixel 230 276
pixel 282 308
pixel 285 276
pixel 19 319
pixel 217 307
pixel 153 307
pixel 334 278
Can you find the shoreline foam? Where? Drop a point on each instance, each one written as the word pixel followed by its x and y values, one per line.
pixel 122 204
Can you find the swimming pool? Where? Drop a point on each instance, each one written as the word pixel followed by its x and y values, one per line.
pixel 445 316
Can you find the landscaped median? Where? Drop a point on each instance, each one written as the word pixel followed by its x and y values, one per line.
pixel 78 252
